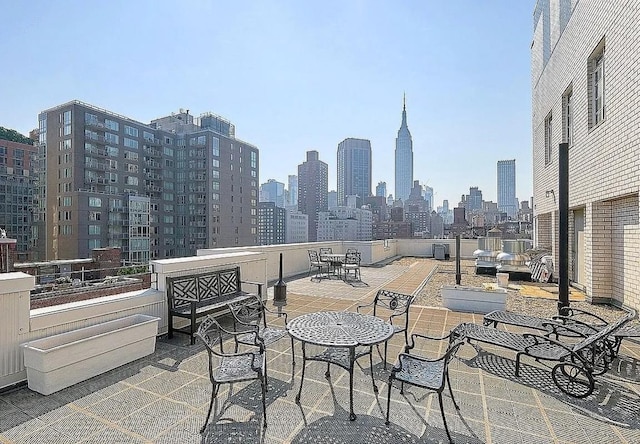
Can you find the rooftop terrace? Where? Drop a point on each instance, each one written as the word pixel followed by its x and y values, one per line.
pixel 164 397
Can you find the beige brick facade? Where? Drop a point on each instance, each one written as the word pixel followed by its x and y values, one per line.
pixel 604 156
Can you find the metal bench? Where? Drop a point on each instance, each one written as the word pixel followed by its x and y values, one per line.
pixel 196 295
pixel 579 320
pixel 578 361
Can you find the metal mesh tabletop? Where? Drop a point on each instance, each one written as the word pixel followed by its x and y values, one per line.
pixel 340 329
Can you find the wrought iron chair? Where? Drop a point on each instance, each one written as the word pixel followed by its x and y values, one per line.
pixel 315 262
pixel 251 314
pixel 352 250
pixel 351 265
pixel 396 307
pixel 226 367
pixel 431 374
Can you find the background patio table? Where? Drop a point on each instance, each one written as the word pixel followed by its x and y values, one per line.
pixel 339 331
pixel 335 260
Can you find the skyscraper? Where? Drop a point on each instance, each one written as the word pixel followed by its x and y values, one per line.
pixel 313 185
pixel 272 191
pixel 293 191
pixel 381 189
pixel 507 202
pixel 354 169
pixel 404 158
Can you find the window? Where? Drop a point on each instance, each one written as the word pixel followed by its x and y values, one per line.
pixel 111 138
pixel 131 180
pixel 132 168
pixel 90 119
pixel 111 124
pixel 112 151
pixel 215 146
pixel 131 156
pixel 94 229
pixel 65 230
pixel 130 131
pixel 547 138
pixel 94 215
pixel 130 143
pixel 94 243
pixel 95 202
pixel 596 85
pixel 567 116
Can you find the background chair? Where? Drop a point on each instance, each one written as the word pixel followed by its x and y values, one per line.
pixel 325 250
pixel 431 374
pixel 396 307
pixel 351 265
pixel 252 314
pixel 352 250
pixel 226 367
pixel 315 262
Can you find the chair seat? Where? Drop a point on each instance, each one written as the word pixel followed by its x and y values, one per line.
pixel 238 368
pixel 268 335
pixel 418 372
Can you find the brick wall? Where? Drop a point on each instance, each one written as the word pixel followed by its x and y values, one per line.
pixel 604 160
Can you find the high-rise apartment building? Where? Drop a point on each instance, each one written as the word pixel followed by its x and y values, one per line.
pixel 381 189
pixel 585 87
pixel 271 224
pixel 272 191
pixel 157 190
pixel 428 196
pixel 507 201
pixel 345 223
pixel 404 159
pixel 354 169
pixel 313 185
pixel 16 195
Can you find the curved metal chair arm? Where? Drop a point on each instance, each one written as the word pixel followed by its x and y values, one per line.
pixel 370 304
pixel 410 346
pixel 572 312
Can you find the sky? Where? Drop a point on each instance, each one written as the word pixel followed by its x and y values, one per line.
pixel 294 76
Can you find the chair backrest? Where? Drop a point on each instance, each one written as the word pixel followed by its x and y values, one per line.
pixel 352 250
pixel 210 333
pixel 313 256
pixel 352 258
pixel 249 311
pixel 396 302
pixel 326 250
pixel 451 352
pixel 606 331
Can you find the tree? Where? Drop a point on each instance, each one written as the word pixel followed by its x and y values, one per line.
pixel 14 136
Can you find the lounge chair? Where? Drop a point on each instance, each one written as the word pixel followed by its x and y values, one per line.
pixel 578 362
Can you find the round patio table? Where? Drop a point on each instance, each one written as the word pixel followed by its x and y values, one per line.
pixel 346 336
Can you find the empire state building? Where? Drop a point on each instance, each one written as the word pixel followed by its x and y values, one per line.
pixel 404 158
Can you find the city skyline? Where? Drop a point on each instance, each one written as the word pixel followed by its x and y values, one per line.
pixel 302 77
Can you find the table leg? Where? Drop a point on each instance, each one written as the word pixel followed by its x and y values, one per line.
pixel 304 364
pixel 352 359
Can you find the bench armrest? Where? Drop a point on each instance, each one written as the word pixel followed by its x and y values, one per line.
pixel 451 335
pixel 257 284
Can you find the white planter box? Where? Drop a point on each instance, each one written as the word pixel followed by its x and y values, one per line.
pixel 62 360
pixel 473 299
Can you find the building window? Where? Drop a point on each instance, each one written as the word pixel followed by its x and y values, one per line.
pixel 111 138
pixel 548 133
pixel 94 243
pixel 130 143
pixel 596 85
pixel 94 229
pixel 567 116
pixel 95 202
pixel 131 131
pixel 111 124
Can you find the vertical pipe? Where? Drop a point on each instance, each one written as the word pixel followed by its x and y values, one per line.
pixel 458 274
pixel 563 209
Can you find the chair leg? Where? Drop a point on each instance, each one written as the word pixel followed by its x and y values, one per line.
pixel 444 419
pixel 293 353
pixel 518 364
pixel 214 392
pixel 385 355
pixel 327 374
pixel 451 392
pixel 263 381
pixel 389 398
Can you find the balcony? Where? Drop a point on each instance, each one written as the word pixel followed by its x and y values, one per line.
pixel 152 151
pixel 164 397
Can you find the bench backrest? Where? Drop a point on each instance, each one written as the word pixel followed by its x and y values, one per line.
pixel 606 331
pixel 202 286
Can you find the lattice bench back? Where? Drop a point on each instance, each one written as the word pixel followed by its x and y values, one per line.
pixel 203 287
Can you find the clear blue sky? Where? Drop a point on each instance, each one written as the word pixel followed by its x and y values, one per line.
pixel 294 76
